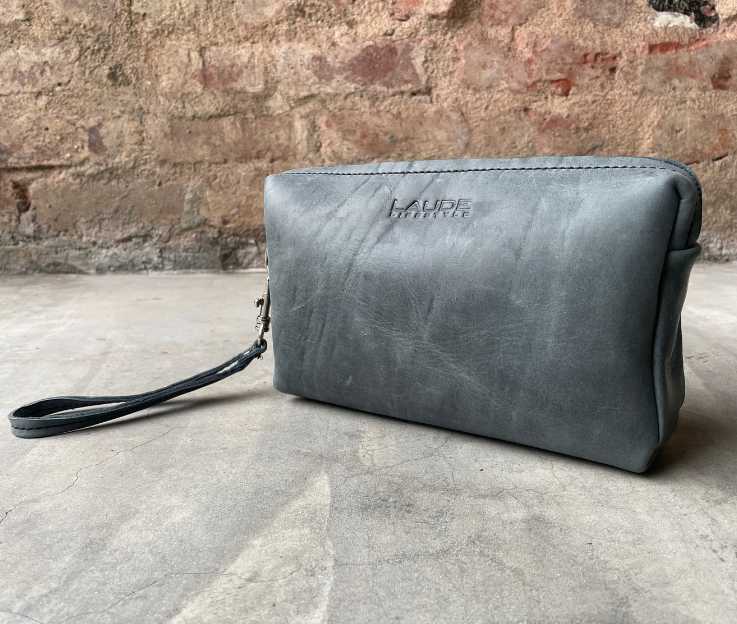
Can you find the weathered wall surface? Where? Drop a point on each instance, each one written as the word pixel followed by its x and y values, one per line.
pixel 134 134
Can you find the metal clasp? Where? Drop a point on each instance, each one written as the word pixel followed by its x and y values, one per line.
pixel 263 303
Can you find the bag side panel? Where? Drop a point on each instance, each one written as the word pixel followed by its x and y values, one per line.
pixel 667 347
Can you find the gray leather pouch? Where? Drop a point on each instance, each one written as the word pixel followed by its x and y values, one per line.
pixel 535 300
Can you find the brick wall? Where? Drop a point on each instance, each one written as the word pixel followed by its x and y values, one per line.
pixel 135 134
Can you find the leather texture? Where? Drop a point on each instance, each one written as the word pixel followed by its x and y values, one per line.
pixel 532 300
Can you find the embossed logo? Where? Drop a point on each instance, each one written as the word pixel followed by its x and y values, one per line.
pixel 431 209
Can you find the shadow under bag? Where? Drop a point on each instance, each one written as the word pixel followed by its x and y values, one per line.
pixel 532 300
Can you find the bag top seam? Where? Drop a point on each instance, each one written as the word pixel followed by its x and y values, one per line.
pixel 675 169
pixel 480 169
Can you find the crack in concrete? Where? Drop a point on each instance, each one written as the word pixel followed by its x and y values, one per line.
pixel 124 598
pixel 79 472
pixel 158 437
pixel 563 486
pixel 131 594
pixel 22 615
pixel 417 557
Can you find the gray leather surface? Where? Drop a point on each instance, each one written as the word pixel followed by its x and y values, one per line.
pixel 548 315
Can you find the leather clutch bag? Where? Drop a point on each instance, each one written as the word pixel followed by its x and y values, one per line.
pixel 536 301
pixel 531 300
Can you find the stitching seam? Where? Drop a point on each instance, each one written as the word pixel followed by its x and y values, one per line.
pixel 571 168
pixel 62 424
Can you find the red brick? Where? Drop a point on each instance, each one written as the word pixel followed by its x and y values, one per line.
pixel 259 11
pixel 485 65
pixel 552 65
pixel 113 137
pixel 560 65
pixel 404 9
pixel 156 13
pixel 13 202
pixel 178 67
pixel 564 134
pixel 384 66
pixel 551 58
pixel 224 139
pixel 502 133
pixel 663 47
pixel 35 138
pixel 182 69
pixel 232 68
pixel 233 199
pixel 414 132
pixel 119 207
pixel 719 231
pixel 727 11
pixel 25 69
pixel 709 64
pixel 13 11
pixel 693 134
pixel 99 12
pixel 602 11
pixel 509 12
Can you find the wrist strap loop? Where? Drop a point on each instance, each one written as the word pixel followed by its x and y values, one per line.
pixel 53 416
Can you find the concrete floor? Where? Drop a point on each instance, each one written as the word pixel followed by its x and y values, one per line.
pixel 250 506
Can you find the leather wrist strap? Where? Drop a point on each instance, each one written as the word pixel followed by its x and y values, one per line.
pixel 50 417
pixel 56 415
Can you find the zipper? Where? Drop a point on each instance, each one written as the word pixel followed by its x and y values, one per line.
pixel 663 161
